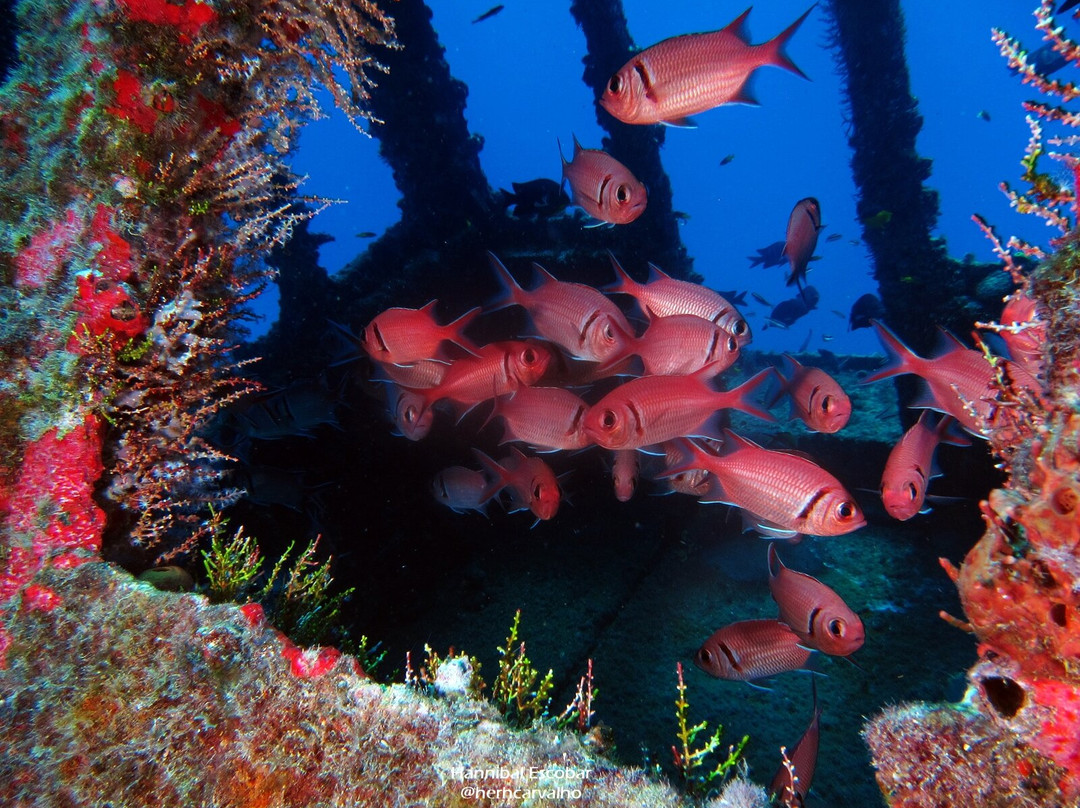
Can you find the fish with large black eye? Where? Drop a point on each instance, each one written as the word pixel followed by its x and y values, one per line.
pixel 684 75
pixel 751 649
pixel 814 611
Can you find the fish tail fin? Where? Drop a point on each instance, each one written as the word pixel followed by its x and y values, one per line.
pixel 745 392
pixel 512 293
pixel 624 284
pixel 689 458
pixel 775 53
pixel 901 358
pixel 454 330
pixel 950 432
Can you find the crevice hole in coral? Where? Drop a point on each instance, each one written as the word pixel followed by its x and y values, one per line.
pixel 1064 500
pixel 1004 695
pixel 1059 614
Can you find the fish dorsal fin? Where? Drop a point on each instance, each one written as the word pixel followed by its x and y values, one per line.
pixel 734 442
pixel 577 147
pixel 429 307
pixel 739 28
pixel 542 275
pixel 948 342
pixel 623 284
pixel 794 366
pixel 512 293
pixel 657 274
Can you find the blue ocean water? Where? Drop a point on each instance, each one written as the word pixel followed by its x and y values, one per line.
pixel 523 70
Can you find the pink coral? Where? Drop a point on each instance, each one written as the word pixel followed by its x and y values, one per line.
pixel 43 260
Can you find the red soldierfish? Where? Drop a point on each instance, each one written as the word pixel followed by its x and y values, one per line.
pixel 405 336
pixel 688 74
pixel 911 465
pixel 602 186
pixel 577 318
pixel 664 296
pixel 787 494
pixel 653 409
pixel 814 611
pixel 959 381
pixel 816 397
pixel 531 482
pixel 547 418
pixel 461 489
pixel 498 369
pixel 624 473
pixel 1024 332
pixel 751 649
pixel 791 792
pixel 683 344
pixel 803 227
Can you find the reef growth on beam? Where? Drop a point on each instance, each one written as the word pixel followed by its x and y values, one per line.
pixel 1015 739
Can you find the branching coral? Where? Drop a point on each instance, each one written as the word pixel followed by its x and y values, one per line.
pixel 143 182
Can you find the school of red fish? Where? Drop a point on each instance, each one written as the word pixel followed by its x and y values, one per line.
pixel 650 397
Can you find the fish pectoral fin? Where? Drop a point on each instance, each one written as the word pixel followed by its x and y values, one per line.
pixel 759 687
pixel 685 122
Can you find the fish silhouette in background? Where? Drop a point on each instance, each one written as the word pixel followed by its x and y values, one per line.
pixel 487 15
pixel 541 198
pixel 692 73
pixel 867 308
pixel 462 489
pixel 769 256
pixel 787 312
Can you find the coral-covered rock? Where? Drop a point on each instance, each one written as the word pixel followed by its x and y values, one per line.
pixel 197 706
